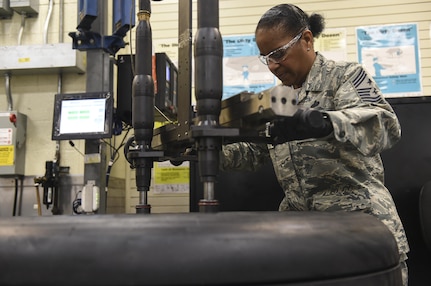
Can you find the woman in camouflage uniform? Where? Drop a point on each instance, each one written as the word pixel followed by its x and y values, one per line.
pixel 338 166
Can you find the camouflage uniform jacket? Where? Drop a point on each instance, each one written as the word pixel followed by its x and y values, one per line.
pixel 342 171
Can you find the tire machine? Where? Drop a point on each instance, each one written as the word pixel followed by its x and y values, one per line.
pixel 196 135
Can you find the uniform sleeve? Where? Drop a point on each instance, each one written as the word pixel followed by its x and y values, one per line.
pixel 362 116
pixel 243 156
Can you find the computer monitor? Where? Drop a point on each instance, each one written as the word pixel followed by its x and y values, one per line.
pixel 165 77
pixel 166 86
pixel 83 116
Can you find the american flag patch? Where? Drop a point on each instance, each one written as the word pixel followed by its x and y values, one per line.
pixel 365 89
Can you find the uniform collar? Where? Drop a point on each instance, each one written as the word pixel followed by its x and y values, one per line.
pixel 311 83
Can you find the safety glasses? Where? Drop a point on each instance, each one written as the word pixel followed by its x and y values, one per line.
pixel 280 54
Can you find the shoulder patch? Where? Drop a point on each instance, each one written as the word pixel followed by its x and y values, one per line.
pixel 366 90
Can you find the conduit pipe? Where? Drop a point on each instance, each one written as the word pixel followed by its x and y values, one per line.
pixel 8 91
pixel 48 18
pixel 61 24
pixel 60 74
pixel 21 29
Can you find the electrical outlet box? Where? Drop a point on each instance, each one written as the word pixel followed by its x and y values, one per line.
pixel 48 58
pixel 28 7
pixel 12 143
pixel 5 11
pixel 90 197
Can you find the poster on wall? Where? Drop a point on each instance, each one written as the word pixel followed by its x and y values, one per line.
pixel 332 44
pixel 170 179
pixel 242 69
pixel 391 54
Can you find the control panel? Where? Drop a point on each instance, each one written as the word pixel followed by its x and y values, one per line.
pixel 12 143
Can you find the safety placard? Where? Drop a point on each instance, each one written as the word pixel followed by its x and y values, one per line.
pixel 391 55
pixel 169 174
pixel 6 136
pixel 7 155
pixel 171 179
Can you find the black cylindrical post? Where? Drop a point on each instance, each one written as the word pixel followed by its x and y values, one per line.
pixel 208 89
pixel 143 104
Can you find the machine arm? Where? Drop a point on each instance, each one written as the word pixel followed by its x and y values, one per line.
pixel 138 149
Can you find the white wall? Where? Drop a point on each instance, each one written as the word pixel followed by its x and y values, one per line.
pixel 33 94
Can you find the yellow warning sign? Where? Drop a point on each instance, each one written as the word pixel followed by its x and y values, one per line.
pixel 169 174
pixel 6 155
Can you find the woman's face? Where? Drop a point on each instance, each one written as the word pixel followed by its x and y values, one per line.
pixel 289 57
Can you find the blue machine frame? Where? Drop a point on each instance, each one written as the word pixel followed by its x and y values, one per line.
pixel 123 20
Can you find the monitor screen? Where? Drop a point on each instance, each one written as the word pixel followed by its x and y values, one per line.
pixel 82 116
pixel 174 86
pixel 165 77
pixel 166 88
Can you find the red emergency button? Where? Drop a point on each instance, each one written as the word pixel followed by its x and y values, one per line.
pixel 12 118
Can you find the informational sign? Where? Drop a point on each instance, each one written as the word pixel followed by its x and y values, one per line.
pixel 7 155
pixel 391 54
pixel 242 69
pixel 171 179
pixel 332 44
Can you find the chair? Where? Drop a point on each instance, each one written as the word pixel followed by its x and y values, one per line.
pixel 425 213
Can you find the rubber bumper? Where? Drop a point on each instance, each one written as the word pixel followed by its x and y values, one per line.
pixel 227 248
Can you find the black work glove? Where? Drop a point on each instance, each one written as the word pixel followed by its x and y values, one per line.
pixel 304 124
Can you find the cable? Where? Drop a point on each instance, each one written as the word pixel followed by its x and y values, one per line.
pixel 76 204
pixel 114 155
pixel 73 145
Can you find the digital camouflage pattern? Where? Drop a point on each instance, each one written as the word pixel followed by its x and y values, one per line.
pixel 342 171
